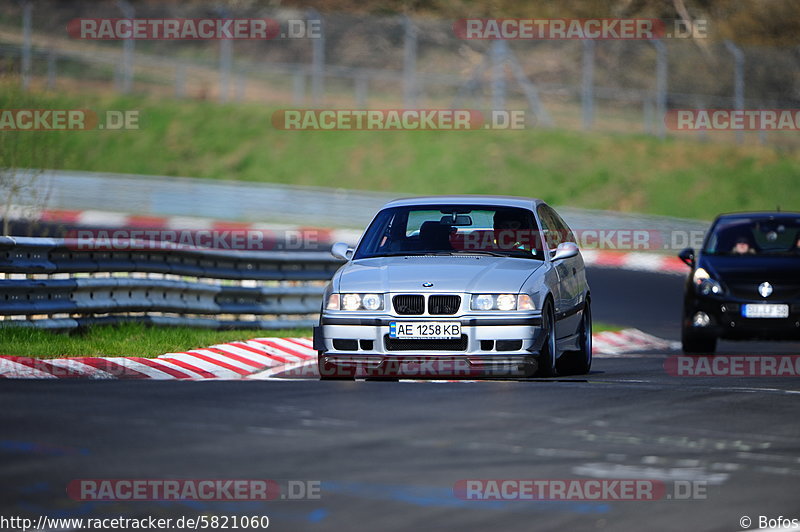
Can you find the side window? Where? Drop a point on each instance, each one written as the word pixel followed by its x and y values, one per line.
pixel 549 227
pixel 565 231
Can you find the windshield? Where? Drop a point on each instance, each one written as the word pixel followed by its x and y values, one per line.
pixel 755 236
pixel 452 229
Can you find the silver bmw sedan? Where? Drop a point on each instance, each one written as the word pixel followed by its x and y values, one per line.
pixel 458 287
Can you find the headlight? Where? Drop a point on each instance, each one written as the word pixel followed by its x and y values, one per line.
pixel 503 302
pixel 699 275
pixel 506 302
pixel 372 301
pixel 483 302
pixel 705 284
pixel 353 302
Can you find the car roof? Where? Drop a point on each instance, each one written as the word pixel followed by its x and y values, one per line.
pixel 758 214
pixel 469 199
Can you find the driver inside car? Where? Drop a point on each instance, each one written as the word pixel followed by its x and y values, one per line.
pixel 743 246
pixel 510 231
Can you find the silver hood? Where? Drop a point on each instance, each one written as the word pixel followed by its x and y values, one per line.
pixel 484 274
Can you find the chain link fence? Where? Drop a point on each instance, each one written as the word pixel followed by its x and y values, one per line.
pixel 395 61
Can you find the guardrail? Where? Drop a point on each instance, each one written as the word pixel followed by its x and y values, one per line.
pixel 64 284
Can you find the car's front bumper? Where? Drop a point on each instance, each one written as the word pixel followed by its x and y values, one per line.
pixel 490 346
pixel 727 321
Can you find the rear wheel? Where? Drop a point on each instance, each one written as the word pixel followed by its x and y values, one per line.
pixel 579 362
pixel 547 355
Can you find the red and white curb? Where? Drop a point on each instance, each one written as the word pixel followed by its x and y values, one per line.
pixel 235 360
pixel 610 344
pixel 259 358
pixel 118 220
pixel 637 260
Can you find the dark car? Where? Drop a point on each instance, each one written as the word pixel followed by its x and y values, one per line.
pixel 745 282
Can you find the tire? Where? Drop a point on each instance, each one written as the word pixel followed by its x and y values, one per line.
pixel 579 362
pixel 697 344
pixel 547 355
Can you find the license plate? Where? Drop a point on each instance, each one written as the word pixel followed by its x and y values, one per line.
pixel 437 330
pixel 765 311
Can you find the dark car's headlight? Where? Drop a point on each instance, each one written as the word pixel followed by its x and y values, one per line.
pixel 501 302
pixel 355 302
pixel 704 284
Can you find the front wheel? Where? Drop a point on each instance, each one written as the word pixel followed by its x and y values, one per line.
pixel 579 362
pixel 697 344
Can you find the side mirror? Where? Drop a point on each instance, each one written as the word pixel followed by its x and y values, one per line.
pixel 340 250
pixel 565 250
pixel 687 256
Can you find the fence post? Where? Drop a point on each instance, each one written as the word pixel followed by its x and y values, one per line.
pixel 225 60
pixel 661 86
pixel 126 82
pixel 317 60
pixel 409 64
pixel 738 82
pixel 27 20
pixel 498 55
pixel 587 89
pixel 299 87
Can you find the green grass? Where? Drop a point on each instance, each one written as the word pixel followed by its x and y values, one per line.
pixel 603 327
pixel 136 340
pixel 625 172
pixel 124 340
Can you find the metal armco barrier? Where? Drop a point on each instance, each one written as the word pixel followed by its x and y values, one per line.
pixel 80 300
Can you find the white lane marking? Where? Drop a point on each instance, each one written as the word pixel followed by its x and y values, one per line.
pixel 604 470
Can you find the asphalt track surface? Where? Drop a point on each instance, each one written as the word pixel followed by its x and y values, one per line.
pixel 388 454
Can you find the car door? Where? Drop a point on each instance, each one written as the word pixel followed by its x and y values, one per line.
pixel 551 241
pixel 569 271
